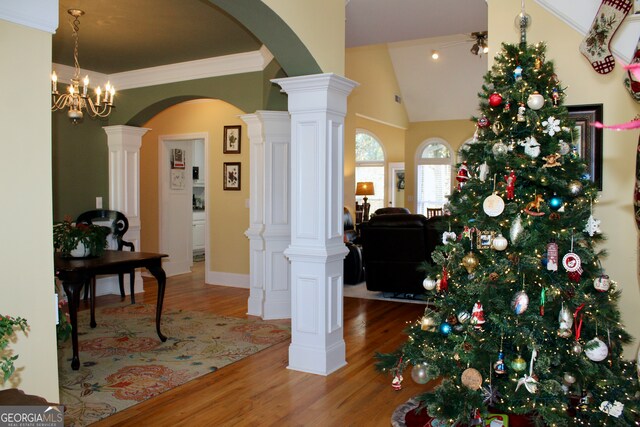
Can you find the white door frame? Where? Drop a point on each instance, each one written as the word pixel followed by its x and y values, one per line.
pixel 393 168
pixel 163 162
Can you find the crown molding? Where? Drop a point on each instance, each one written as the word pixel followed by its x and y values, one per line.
pixel 191 70
pixel 38 14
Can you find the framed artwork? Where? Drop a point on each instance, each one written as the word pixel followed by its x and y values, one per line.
pixel 231 178
pixel 177 158
pixel 485 238
pixel 231 144
pixel 589 140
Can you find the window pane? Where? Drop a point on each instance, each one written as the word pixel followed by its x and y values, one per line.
pixel 373 174
pixel 435 151
pixel 434 184
pixel 368 149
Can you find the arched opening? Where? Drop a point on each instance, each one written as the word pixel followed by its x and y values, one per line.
pixel 434 160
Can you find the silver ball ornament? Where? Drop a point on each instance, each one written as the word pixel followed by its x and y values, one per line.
pixel 419 373
pixel 499 149
pixel 576 349
pixel 569 378
pixel 535 101
pixel 429 284
pixel 463 316
pixel 499 243
pixel 575 187
pixel 598 351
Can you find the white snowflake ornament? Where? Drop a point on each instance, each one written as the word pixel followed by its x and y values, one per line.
pixel 593 226
pixel 552 125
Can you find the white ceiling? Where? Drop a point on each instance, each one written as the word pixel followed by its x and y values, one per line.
pixel 431 90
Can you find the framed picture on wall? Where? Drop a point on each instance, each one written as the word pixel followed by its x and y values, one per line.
pixel 231 178
pixel 589 140
pixel 231 144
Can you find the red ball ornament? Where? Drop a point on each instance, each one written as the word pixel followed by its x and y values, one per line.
pixel 495 99
pixel 483 122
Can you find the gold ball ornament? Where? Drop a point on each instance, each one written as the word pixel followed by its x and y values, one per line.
pixel 428 323
pixel 519 364
pixel 470 262
pixel 471 378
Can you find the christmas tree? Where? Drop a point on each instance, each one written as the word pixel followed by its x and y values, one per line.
pixel 522 319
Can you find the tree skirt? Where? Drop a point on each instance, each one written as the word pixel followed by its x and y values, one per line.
pixel 123 362
pixel 406 415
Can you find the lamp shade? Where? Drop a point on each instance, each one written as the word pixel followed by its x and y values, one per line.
pixel 364 189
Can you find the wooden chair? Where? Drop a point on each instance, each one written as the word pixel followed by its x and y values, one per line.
pixel 431 212
pixel 119 224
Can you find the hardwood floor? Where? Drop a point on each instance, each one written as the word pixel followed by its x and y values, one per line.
pixel 260 390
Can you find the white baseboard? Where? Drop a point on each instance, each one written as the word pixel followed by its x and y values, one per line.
pixel 227 279
pixel 108 285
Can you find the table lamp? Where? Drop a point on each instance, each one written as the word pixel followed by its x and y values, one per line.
pixel 365 189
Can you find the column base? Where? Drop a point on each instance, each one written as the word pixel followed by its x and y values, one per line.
pixel 315 360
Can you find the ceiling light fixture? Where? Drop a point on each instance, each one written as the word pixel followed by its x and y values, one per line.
pixel 435 54
pixel 480 46
pixel 76 99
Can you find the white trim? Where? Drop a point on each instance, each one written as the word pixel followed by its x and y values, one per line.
pixel 203 68
pixel 37 14
pixel 222 278
pixel 362 116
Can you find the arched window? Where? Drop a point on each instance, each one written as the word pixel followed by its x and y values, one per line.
pixel 370 167
pixel 433 173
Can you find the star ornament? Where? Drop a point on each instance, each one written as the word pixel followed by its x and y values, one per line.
pixel 490 395
pixel 552 126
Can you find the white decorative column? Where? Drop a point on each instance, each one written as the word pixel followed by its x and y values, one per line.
pixel 270 229
pixel 317 104
pixel 124 186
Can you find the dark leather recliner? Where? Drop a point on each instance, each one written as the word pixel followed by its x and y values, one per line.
pixel 395 246
pixel 391 210
pixel 353 268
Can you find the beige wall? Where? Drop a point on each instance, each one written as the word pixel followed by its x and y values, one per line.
pixel 228 215
pixel 454 132
pixel 372 107
pixel 320 26
pixel 372 68
pixel 585 86
pixel 27 253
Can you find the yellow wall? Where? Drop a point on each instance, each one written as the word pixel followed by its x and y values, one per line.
pixel 454 132
pixel 228 215
pixel 372 68
pixel 27 251
pixel 372 107
pixel 320 26
pixel 585 86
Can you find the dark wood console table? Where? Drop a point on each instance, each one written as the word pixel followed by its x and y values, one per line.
pixel 76 272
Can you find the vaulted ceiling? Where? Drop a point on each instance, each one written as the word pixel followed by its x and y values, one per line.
pixel 120 35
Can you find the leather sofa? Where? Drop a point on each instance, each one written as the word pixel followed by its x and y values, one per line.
pixel 353 267
pixel 394 247
pixel 391 210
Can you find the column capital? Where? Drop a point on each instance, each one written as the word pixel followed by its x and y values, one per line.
pixel 318 91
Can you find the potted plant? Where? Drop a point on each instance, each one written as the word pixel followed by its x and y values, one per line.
pixel 8 325
pixel 79 240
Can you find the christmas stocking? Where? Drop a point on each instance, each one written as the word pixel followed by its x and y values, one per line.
pixel 595 46
pixel 631 83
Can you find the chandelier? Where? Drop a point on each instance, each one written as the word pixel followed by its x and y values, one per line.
pixel 480 46
pixel 76 100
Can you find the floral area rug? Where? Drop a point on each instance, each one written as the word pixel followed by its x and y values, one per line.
pixel 123 362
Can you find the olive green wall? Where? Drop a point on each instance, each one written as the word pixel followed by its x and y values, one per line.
pixel 80 166
pixel 80 162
